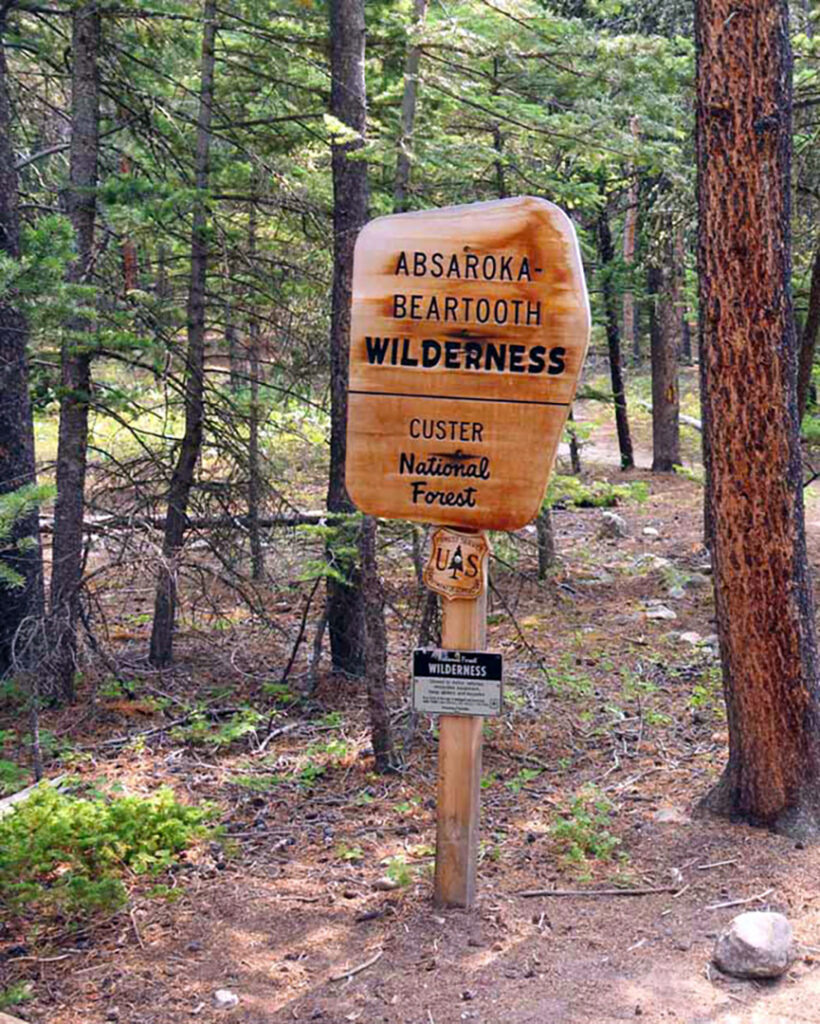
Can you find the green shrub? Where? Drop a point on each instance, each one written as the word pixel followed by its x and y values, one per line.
pixel 61 854
pixel 14 506
pixel 584 832
pixel 12 776
pixel 15 994
pixel 570 492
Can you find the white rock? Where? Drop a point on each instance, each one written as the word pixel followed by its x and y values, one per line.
pixel 660 612
pixel 612 526
pixel 224 999
pixel 650 561
pixel 676 593
pixel 671 816
pixel 651 532
pixel 691 638
pixel 385 884
pixel 757 944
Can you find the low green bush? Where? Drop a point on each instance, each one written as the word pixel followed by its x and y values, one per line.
pixel 570 492
pixel 60 854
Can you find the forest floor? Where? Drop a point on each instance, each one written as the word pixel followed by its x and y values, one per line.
pixel 613 729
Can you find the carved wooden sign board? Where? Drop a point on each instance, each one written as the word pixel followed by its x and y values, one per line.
pixel 469 329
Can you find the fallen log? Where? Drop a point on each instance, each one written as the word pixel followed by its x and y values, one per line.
pixel 105 524
pixel 8 802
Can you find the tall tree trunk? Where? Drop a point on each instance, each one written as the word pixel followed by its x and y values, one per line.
pixel 547 556
pixel 498 140
pixel 605 257
pixel 686 339
pixel 808 24
pixel 231 333
pixel 663 333
pixel 17 466
pixel 574 446
pixel 765 611
pixel 631 336
pixel 408 112
pixel 348 103
pixel 808 337
pixel 75 378
pixel 183 475
pixel 679 279
pixel 128 250
pixel 375 649
pixel 254 462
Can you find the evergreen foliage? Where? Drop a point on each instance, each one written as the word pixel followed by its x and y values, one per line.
pixel 60 854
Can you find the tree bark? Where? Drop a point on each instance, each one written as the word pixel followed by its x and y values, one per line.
pixel 547 556
pixel 808 337
pixel 348 103
pixel 574 446
pixel 231 333
pixel 408 112
pixel 498 139
pixel 75 377
pixel 630 224
pixel 663 324
pixel 764 605
pixel 686 339
pixel 17 466
pixel 375 650
pixel 128 250
pixel 679 280
pixel 605 256
pixel 182 478
pixel 254 461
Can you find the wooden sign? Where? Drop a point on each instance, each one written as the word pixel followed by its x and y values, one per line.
pixel 469 329
pixel 455 568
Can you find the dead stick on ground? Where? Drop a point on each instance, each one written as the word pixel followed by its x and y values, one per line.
pixel 597 892
pixel 135 926
pixel 738 903
pixel 716 864
pixel 276 732
pixel 360 968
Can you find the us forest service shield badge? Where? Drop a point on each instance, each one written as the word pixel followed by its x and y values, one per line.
pixel 456 566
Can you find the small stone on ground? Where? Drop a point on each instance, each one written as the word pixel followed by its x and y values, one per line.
pixel 757 944
pixel 612 526
pixel 224 999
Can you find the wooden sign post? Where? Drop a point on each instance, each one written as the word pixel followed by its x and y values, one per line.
pixel 463 628
pixel 469 329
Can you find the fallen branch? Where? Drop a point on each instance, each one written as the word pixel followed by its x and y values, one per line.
pixel 144 733
pixel 276 732
pixel 739 903
pixel 360 968
pixel 597 892
pixel 690 421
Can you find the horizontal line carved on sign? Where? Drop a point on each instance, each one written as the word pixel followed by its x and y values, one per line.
pixel 457 398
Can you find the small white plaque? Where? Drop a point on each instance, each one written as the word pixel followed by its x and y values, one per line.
pixel 457 682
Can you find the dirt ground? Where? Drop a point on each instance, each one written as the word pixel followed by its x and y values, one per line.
pixel 295 916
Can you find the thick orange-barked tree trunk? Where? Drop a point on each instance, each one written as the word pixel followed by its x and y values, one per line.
pixel 748 364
